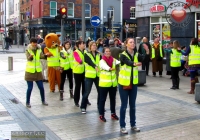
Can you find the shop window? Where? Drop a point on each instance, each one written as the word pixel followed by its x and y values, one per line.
pixel 154 19
pixel 132 12
pixel 87 10
pixel 70 9
pixel 198 16
pixel 53 8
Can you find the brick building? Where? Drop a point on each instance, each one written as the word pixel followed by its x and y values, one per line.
pixel 1 20
pixel 40 15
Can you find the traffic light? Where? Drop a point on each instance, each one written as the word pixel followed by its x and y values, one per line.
pixel 61 13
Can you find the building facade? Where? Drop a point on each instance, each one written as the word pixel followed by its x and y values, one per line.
pixel 111 18
pixel 129 19
pixel 42 17
pixel 168 20
pixel 1 20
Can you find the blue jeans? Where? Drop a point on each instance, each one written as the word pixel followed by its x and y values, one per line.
pixel 103 92
pixel 124 96
pixel 30 87
pixel 88 87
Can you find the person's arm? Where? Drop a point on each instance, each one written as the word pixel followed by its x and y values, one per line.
pixel 103 65
pixel 186 53
pixel 77 57
pixel 89 61
pixel 125 60
pixel 29 57
pixel 117 62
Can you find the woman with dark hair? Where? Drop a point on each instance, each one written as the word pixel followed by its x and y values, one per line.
pixel 193 52
pixel 66 64
pixel 99 43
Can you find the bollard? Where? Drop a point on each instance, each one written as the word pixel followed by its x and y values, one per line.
pixel 10 63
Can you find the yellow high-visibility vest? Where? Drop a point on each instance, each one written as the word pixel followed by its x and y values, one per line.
pixel 34 65
pixel 194 56
pixel 79 68
pixel 53 61
pixel 124 77
pixel 90 72
pixel 64 63
pixel 108 78
pixel 175 58
pixel 153 52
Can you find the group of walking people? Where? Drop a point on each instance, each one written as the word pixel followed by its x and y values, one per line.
pixel 92 66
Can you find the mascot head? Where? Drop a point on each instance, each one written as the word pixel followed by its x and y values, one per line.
pixel 52 40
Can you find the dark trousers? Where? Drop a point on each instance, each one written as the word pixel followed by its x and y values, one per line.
pixel 79 81
pixel 69 75
pixel 103 92
pixel 88 86
pixel 193 74
pixel 30 87
pixel 174 72
pixel 145 66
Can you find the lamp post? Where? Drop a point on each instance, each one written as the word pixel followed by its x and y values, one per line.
pixel 83 20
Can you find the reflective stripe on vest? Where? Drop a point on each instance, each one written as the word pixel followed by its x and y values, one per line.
pixel 78 68
pixel 194 56
pixel 108 78
pixel 34 65
pixel 153 52
pixel 175 58
pixel 90 72
pixel 125 72
pixel 64 63
pixel 53 61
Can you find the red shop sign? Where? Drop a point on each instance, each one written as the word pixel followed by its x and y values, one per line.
pixel 157 8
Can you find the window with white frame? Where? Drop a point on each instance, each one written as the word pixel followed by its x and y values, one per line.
pixel 53 8
pixel 110 13
pixel 87 10
pixel 132 12
pixel 70 9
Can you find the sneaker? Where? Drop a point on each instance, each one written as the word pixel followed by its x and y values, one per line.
pixel 45 103
pixel 77 105
pixel 123 130
pixel 28 105
pixel 135 128
pixel 114 116
pixel 102 118
pixel 83 111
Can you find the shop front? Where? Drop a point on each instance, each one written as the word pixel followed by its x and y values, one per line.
pixel 129 28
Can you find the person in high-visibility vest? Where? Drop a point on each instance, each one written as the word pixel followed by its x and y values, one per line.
pixel 33 70
pixel 128 80
pixel 107 83
pixel 66 64
pixel 193 52
pixel 175 63
pixel 156 55
pixel 79 71
pixel 92 59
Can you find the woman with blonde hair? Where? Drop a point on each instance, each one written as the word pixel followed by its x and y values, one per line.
pixel 175 63
pixel 100 45
pixel 92 58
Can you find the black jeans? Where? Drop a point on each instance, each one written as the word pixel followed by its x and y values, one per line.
pixel 79 81
pixel 145 64
pixel 103 92
pixel 175 71
pixel 69 75
pixel 88 86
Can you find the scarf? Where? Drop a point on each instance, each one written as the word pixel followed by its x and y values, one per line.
pixel 109 60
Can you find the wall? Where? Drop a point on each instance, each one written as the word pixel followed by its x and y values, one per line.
pixel 126 8
pixel 77 7
pixel 36 12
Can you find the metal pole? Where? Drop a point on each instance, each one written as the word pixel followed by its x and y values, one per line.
pixel 5 19
pixel 62 31
pixel 10 63
pixel 95 32
pixel 75 31
pixel 83 20
pixel 112 27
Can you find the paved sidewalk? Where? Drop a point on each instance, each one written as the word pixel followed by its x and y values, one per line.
pixel 13 49
pixel 162 114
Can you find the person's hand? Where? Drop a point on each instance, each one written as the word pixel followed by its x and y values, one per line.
pixel 137 64
pixel 179 48
pixel 112 69
pixel 49 54
pixel 30 57
pixel 61 70
pixel 96 68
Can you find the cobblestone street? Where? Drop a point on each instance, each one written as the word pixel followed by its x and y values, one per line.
pixel 161 113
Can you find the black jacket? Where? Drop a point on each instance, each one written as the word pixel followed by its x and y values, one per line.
pixel 89 61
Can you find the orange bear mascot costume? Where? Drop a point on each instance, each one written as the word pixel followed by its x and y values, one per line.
pixel 52 51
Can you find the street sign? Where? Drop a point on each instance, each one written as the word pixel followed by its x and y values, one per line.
pixel 95 21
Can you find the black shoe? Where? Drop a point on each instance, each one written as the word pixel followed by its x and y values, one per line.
pixel 88 103
pixel 45 103
pixel 28 105
pixel 114 116
pixel 102 118
pixel 173 88
pixel 77 105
